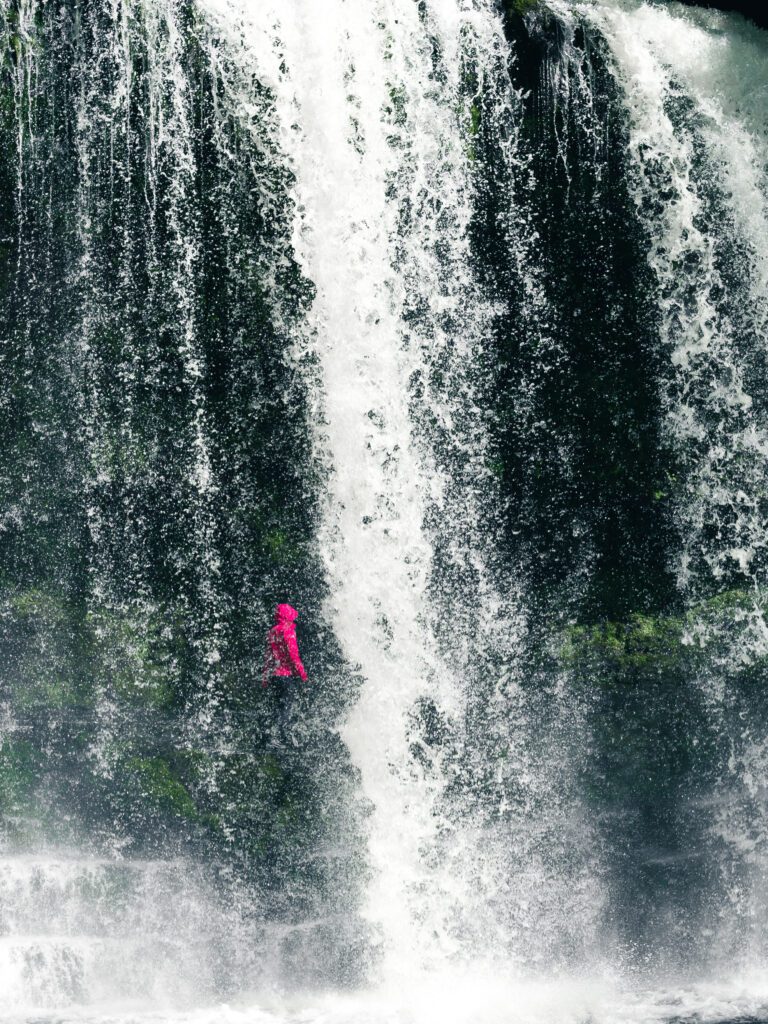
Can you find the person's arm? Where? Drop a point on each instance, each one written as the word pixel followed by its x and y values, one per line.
pixel 293 654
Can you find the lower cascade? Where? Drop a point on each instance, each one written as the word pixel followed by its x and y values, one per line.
pixel 439 326
pixel 77 930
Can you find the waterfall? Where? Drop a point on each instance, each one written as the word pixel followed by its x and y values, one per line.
pixel 445 321
pixel 383 190
pixel 688 138
pixel 696 136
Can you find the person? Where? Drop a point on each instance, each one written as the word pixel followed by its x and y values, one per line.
pixel 282 659
pixel 282 662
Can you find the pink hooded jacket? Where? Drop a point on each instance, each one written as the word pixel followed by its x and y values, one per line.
pixel 282 655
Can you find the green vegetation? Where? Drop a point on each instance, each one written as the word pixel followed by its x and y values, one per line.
pixel 20 769
pixel 474 118
pixel 137 654
pixel 520 7
pixel 642 643
pixel 280 547
pixel 674 646
pixel 44 654
pixel 473 129
pixel 397 113
pixel 162 787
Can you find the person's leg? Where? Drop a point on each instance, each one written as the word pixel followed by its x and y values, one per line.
pixel 284 716
pixel 276 701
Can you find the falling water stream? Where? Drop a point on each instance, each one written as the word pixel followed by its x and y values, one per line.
pixel 446 321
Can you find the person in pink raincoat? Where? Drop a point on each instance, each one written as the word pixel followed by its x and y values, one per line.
pixel 282 660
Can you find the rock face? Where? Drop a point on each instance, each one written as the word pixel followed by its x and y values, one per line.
pixel 753 9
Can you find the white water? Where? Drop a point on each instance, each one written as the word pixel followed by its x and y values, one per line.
pixel 460 998
pixel 383 188
pixel 666 56
pixel 77 931
pixel 103 116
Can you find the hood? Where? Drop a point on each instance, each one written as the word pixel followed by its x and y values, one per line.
pixel 284 613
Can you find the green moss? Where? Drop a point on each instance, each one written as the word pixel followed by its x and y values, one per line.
pixel 520 7
pixel 136 652
pixel 397 104
pixel 474 118
pixel 37 604
pixel 496 466
pixel 270 768
pixel 287 817
pixel 639 644
pixel 19 774
pixel 162 786
pixel 729 601
pixel 44 650
pixel 656 645
pixel 473 129
pixel 121 457
pixel 52 693
pixel 277 544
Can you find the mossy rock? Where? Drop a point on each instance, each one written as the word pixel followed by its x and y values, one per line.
pixel 20 769
pixel 117 457
pixel 520 7
pixel 137 654
pixel 474 116
pixel 647 645
pixel 270 768
pixel 44 648
pixel 36 604
pixel 278 545
pixel 641 644
pixel 397 104
pixel 162 787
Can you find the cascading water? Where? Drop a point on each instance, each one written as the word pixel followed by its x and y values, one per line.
pixel 109 931
pixel 383 189
pixel 445 321
pixel 695 142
